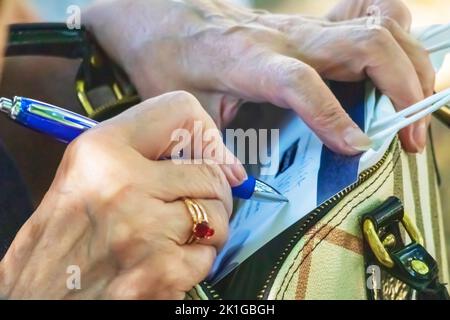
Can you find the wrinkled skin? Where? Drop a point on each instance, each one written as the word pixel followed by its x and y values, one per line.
pixel 121 218
pixel 224 54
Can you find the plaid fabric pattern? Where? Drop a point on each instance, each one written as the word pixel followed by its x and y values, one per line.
pixel 328 263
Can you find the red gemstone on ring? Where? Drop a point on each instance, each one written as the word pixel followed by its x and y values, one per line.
pixel 203 231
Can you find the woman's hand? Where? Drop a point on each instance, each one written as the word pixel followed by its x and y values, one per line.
pixel 117 213
pixel 224 54
pixel 396 17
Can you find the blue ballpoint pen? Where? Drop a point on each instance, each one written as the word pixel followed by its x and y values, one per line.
pixel 66 126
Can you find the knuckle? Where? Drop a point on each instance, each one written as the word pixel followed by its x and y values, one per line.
pixel 91 148
pixel 305 71
pixel 122 196
pixel 294 72
pixel 119 199
pixel 388 23
pixel 245 41
pixel 373 43
pixel 183 99
pixel 185 105
pixel 378 37
pixel 213 175
pixel 83 145
pixel 83 156
pixel 328 116
pixel 244 36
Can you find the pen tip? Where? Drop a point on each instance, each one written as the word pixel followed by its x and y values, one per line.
pixel 265 192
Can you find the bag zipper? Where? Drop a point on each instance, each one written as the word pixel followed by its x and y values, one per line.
pixel 318 213
pixel 311 218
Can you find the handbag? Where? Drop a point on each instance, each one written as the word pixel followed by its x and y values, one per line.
pixel 329 253
pixel 380 238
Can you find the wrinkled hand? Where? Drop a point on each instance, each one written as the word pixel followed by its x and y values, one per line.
pixel 117 214
pixel 396 18
pixel 224 54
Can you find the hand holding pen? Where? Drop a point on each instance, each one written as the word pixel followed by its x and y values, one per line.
pixel 137 226
pixel 66 126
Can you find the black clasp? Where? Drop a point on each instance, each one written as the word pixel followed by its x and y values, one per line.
pixel 410 263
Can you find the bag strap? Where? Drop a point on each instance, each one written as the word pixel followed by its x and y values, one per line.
pixel 102 88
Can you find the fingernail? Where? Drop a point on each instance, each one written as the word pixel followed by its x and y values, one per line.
pixel 239 172
pixel 355 138
pixel 420 136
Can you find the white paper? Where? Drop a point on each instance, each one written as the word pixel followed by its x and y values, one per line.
pixel 255 224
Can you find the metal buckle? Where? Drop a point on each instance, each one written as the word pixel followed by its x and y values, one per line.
pixel 408 265
pixel 379 248
pixel 103 90
pixel 444 115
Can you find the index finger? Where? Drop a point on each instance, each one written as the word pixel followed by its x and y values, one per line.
pixel 289 83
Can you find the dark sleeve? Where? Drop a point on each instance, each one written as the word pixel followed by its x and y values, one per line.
pixel 15 204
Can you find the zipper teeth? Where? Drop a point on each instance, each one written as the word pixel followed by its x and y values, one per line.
pixel 213 293
pixel 363 177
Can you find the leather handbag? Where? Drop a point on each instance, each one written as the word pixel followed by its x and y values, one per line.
pixel 380 238
pixel 334 253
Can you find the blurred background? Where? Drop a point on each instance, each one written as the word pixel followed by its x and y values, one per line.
pixel 425 12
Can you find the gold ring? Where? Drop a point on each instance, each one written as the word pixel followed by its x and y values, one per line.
pixel 201 229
